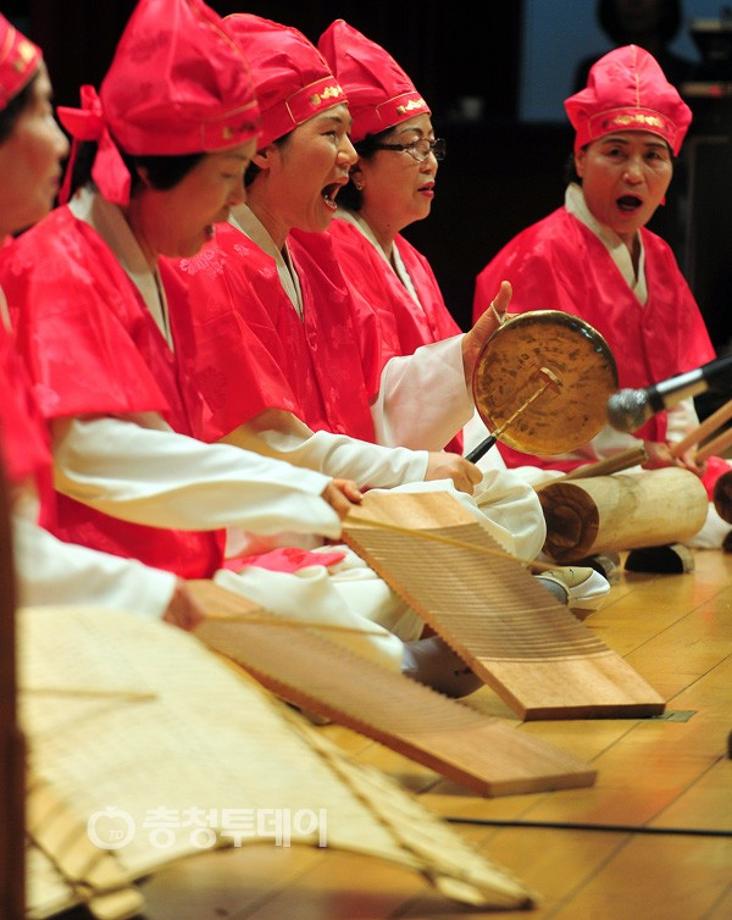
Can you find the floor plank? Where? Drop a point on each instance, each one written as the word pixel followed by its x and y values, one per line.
pixel 673 878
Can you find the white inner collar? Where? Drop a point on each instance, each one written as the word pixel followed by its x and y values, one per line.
pixel 110 223
pixel 243 218
pixel 574 202
pixel 396 263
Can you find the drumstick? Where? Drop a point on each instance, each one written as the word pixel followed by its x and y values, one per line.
pixel 633 456
pixel 715 446
pixel 704 430
pixel 485 446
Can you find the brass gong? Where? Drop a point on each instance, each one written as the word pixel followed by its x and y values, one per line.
pixel 508 373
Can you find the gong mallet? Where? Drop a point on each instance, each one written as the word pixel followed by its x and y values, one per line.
pixel 551 381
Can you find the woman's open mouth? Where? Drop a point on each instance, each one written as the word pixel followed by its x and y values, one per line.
pixel 330 193
pixel 629 203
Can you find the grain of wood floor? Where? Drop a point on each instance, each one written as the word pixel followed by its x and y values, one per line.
pixel 652 839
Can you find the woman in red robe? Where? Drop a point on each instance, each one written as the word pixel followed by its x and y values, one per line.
pixel 595 258
pixel 48 570
pixel 391 186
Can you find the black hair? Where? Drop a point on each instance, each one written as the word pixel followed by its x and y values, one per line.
pixel 612 26
pixel 162 172
pixel 570 171
pixel 349 196
pixel 253 170
pixel 15 108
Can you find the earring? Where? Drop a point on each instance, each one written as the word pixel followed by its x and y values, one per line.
pixel 358 185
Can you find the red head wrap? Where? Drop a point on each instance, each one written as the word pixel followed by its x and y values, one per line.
pixel 380 94
pixel 292 79
pixel 19 60
pixel 178 84
pixel 627 91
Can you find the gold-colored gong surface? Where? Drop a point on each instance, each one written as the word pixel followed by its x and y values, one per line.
pixel 507 373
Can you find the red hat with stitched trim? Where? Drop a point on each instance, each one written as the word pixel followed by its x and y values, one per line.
pixel 19 60
pixel 628 91
pixel 380 94
pixel 178 84
pixel 292 79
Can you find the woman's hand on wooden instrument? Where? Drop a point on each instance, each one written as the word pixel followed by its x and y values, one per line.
pixel 688 461
pixel 444 465
pixel 342 495
pixel 474 340
pixel 659 455
pixel 183 610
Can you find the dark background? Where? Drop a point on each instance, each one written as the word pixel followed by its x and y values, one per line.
pixel 500 175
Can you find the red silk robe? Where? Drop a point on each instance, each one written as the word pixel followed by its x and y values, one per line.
pixel 404 324
pixel 23 438
pixel 92 348
pixel 560 264
pixel 324 368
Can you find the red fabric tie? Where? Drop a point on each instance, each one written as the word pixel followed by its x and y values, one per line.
pixel 109 172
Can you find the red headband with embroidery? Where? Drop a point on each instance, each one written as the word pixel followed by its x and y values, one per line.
pixel 292 79
pixel 19 60
pixel 627 91
pixel 380 94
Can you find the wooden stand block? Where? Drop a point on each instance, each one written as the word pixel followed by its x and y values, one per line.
pixel 486 754
pixel 625 511
pixel 529 649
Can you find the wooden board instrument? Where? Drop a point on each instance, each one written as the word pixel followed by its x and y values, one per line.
pixel 506 627
pixel 485 754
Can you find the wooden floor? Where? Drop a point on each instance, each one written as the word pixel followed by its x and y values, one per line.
pixel 652 839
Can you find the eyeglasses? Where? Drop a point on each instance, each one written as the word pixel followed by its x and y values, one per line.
pixel 420 149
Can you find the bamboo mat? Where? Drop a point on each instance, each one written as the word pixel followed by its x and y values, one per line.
pixel 150 723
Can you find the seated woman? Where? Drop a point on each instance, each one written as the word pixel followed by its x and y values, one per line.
pixel 48 570
pixel 595 258
pixel 391 186
pixel 274 273
pixel 131 480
